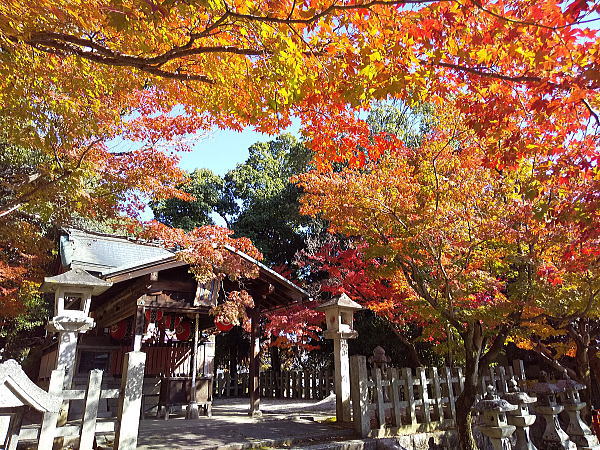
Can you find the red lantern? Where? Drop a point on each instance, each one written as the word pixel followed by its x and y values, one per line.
pixel 165 323
pixel 223 325
pixel 183 331
pixel 118 330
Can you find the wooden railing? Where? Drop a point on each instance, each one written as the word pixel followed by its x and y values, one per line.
pixel 403 401
pixel 288 384
pixel 125 425
pixel 170 361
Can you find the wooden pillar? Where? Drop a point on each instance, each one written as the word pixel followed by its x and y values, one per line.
pixel 192 408
pixel 138 326
pixel 276 370
pixel 254 388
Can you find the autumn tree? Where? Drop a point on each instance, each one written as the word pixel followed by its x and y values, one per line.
pixel 523 75
pixel 448 229
pixel 519 71
pixel 564 277
pixel 341 266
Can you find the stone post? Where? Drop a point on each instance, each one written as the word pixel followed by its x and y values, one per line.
pixel 342 379
pixel 577 429
pixel 130 401
pixel 520 417
pixel 495 426
pixel 554 438
pixel 340 327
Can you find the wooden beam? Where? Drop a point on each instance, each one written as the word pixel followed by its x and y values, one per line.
pixel 136 273
pixel 172 285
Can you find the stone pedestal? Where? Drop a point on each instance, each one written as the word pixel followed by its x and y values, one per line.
pixel 577 429
pixel 494 425
pixel 520 417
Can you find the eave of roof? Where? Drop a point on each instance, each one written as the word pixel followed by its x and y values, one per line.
pixel 120 271
pixel 269 271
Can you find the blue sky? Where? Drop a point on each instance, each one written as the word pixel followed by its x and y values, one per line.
pixel 222 150
pixel 219 151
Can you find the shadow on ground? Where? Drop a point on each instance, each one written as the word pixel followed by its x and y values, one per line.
pixel 282 424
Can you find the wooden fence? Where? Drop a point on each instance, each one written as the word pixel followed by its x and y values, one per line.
pixel 288 384
pixel 130 397
pixel 403 401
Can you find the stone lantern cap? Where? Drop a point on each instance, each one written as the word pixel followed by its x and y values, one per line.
pixel 341 302
pixel 516 396
pixel 570 385
pixel 491 402
pixel 545 388
pixel 75 278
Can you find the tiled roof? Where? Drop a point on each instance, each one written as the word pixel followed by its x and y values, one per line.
pixel 100 253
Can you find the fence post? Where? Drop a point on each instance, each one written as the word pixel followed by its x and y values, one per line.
pixel 503 382
pixel 450 386
pixel 437 394
pixel 379 400
pixel 424 394
pixel 50 420
pixel 130 401
pixel 359 391
pixel 519 369
pixel 306 380
pixel 395 396
pixel 410 395
pixel 90 412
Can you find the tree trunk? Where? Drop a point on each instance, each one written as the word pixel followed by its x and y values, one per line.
pixel 465 402
pixel 276 368
pixel 473 344
pixel 233 360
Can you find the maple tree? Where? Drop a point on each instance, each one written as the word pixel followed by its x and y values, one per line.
pixel 348 270
pixel 233 63
pixel 562 316
pixel 522 74
pixel 458 239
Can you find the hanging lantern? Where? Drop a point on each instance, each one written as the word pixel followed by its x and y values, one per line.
pixel 183 331
pixel 165 322
pixel 223 324
pixel 119 330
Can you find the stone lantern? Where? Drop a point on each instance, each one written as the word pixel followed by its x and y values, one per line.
pixel 577 429
pixel 554 437
pixel 73 291
pixel 494 424
pixel 379 359
pixel 339 313
pixel 520 417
